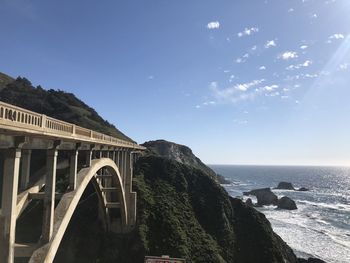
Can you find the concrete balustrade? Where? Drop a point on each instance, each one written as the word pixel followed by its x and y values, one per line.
pixel 18 119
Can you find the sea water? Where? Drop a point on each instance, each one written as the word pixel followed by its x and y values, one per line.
pixel 320 227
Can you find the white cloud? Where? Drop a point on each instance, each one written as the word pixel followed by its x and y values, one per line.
pixel 344 66
pixel 198 106
pixel 306 64
pixel 235 93
pixel 290 10
pixel 246 86
pixel 254 48
pixel 243 58
pixel 303 47
pixel 336 36
pixel 248 31
pixel 270 88
pixel 270 43
pixel 262 68
pixel 213 25
pixel 288 55
pixel 232 77
pixel 150 77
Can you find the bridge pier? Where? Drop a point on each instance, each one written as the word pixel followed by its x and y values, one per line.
pixel 25 168
pixel 9 202
pixel 73 167
pixel 49 198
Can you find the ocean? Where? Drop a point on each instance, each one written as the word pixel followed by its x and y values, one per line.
pixel 320 227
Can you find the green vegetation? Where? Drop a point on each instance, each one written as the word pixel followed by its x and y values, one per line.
pixel 182 212
pixel 54 103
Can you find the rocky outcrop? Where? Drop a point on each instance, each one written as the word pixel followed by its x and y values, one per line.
pixel 179 153
pixel 289 186
pixel 285 186
pixel 264 196
pixel 286 203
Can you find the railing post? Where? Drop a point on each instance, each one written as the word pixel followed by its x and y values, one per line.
pixel 49 198
pixel 43 121
pixel 9 202
pixel 25 169
pixel 73 129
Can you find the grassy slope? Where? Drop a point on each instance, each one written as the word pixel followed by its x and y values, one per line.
pixel 57 104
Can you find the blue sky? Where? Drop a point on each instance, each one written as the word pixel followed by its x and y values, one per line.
pixel 240 82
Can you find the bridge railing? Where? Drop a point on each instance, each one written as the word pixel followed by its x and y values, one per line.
pixel 19 118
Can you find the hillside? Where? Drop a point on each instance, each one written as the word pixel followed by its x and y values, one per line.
pixel 4 80
pixel 54 103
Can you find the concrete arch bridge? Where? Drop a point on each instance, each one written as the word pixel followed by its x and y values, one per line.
pixel 87 156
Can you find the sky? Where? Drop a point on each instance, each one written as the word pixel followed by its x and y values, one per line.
pixel 239 81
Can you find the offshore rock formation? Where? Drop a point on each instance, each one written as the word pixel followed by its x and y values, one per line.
pixel 285 186
pixel 264 196
pixel 289 186
pixel 286 203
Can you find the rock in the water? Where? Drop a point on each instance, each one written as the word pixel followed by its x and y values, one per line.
pixel 286 203
pixel 285 186
pixel 303 189
pixel 249 202
pixel 264 196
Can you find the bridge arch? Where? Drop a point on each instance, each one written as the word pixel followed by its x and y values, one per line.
pixel 66 207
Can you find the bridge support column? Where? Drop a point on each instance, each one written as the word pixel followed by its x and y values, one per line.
pixel 130 196
pixel 49 199
pixel 9 202
pixel 73 166
pixel 25 169
pixel 88 158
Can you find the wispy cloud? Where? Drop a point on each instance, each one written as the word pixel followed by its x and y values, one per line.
pixel 288 55
pixel 307 63
pixel 270 43
pixel 262 68
pixel 235 93
pixel 303 47
pixel 213 25
pixel 270 88
pixel 248 31
pixel 243 58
